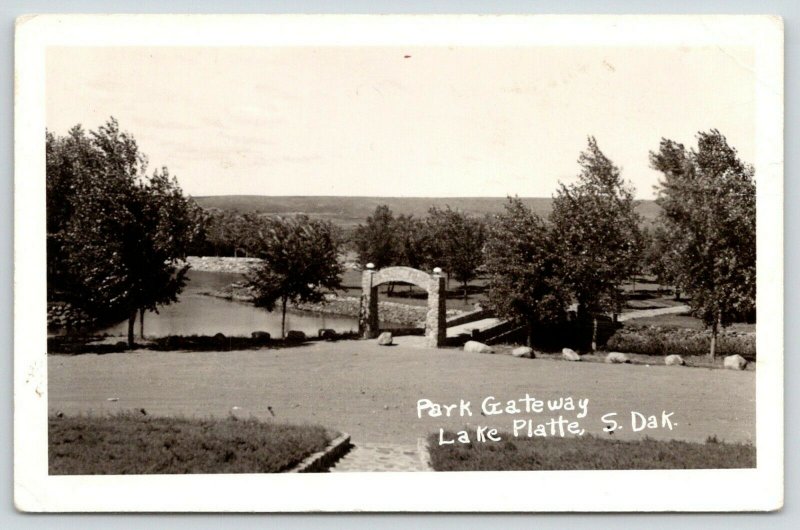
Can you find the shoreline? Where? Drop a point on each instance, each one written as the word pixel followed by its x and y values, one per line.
pixel 335 305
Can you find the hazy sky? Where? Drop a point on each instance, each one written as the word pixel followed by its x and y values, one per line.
pixel 371 121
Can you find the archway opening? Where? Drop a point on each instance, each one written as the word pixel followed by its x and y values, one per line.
pixel 433 284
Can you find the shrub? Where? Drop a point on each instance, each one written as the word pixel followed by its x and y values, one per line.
pixel 654 340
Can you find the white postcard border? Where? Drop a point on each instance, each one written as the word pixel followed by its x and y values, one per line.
pixel 602 491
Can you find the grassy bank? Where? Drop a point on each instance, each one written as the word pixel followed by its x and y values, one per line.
pixel 73 345
pixel 585 453
pixel 661 340
pixel 133 443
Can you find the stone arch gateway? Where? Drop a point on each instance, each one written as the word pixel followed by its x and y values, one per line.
pixel 434 284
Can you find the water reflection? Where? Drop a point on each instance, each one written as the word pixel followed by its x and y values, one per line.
pixel 198 314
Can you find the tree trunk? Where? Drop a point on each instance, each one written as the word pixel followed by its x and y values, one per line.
pixel 283 318
pixel 141 323
pixel 529 339
pixel 131 323
pixel 714 333
pixel 466 294
pixel 594 334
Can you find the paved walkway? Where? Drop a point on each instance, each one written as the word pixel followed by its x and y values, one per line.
pixel 482 324
pixel 644 313
pixel 380 457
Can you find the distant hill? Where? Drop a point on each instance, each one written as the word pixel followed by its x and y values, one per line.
pixel 350 211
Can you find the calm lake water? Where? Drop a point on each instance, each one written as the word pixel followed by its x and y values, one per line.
pixel 198 314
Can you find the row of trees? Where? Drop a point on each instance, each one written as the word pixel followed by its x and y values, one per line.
pixel 446 238
pixel 590 244
pixel 118 237
pixel 703 241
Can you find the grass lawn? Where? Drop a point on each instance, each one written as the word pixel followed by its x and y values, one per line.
pixel 132 443
pixel 588 452
pixel 371 392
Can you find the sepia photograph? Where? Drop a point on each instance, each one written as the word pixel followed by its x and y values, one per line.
pixel 548 252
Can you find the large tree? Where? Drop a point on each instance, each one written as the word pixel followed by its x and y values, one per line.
pixel 525 269
pixel 456 244
pixel 598 233
pixel 119 236
pixel 299 263
pixel 708 205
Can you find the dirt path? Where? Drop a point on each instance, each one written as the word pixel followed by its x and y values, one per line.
pixel 371 392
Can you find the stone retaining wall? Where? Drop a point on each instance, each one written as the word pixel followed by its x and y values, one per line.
pixel 61 315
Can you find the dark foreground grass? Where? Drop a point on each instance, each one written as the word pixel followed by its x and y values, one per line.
pixel 587 453
pixel 131 443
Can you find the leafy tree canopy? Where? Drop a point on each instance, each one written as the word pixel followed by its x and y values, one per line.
pixel 598 232
pixel 524 268
pixel 456 243
pixel 116 236
pixel 708 201
pixel 299 262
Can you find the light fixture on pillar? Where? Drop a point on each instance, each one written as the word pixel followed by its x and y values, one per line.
pixel 437 270
pixel 370 266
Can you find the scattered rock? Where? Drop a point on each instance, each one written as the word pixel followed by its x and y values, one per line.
pixel 735 362
pixel 674 360
pixel 385 338
pixel 473 346
pixel 524 352
pixel 295 335
pixel 570 355
pixel 112 399
pixel 261 336
pixel 327 334
pixel 616 357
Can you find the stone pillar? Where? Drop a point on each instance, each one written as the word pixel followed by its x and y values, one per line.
pixel 435 328
pixel 368 313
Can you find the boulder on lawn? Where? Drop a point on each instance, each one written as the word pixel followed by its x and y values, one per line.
pixel 473 346
pixel 385 338
pixel 674 360
pixel 327 334
pixel 616 357
pixel 523 352
pixel 237 413
pixel 260 336
pixel 295 336
pixel 735 362
pixel 570 355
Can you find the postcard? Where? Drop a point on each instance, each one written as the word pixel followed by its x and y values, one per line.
pixel 452 263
